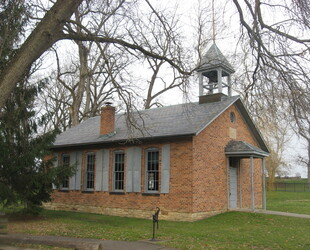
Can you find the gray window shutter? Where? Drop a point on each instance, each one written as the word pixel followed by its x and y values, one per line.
pixel 98 174
pixel 165 169
pixel 72 178
pixel 129 169
pixel 84 172
pixel 55 164
pixel 105 170
pixel 133 170
pixel 137 170
pixel 78 170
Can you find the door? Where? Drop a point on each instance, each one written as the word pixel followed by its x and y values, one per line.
pixel 233 198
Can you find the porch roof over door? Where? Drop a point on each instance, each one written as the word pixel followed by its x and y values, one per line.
pixel 244 150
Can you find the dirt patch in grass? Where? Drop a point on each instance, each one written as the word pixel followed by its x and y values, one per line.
pixel 24 217
pixel 37 246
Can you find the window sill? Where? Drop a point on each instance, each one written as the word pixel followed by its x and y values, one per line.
pixel 88 191
pixel 117 193
pixel 151 194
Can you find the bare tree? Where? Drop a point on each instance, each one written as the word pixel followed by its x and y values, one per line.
pixel 159 32
pixel 42 38
pixel 102 70
pixel 277 134
pixel 269 111
pixel 280 43
pixel 302 124
pixel 50 30
pixel 280 46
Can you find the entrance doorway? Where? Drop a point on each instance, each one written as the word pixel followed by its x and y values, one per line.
pixel 233 180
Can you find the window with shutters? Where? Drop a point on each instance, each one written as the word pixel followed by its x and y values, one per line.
pixel 118 171
pixel 152 170
pixel 90 171
pixel 65 163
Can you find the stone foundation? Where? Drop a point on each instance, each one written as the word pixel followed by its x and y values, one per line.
pixel 134 213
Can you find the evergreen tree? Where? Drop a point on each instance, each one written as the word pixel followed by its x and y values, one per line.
pixel 14 17
pixel 25 178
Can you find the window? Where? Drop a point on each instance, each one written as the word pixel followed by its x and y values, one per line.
pixel 90 170
pixel 118 171
pixel 65 163
pixel 232 117
pixel 152 170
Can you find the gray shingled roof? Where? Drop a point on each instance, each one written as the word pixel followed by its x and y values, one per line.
pixel 243 148
pixel 214 59
pixel 176 120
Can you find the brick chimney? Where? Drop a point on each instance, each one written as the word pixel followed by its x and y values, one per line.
pixel 107 121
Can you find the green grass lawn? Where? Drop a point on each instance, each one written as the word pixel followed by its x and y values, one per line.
pixel 231 230
pixel 294 202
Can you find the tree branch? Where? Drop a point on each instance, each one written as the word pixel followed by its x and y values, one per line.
pixel 88 37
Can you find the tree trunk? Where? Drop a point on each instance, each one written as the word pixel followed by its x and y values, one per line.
pixel 81 85
pixel 47 32
pixel 149 97
pixel 271 179
pixel 83 54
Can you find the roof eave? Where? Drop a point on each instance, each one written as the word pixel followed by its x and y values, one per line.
pixel 226 68
pixel 123 141
pixel 248 154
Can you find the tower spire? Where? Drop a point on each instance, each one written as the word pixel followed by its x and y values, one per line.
pixel 213 22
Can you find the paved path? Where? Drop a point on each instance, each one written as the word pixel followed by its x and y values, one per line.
pixel 260 211
pixel 283 214
pixel 78 243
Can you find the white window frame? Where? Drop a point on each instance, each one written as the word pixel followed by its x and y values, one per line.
pixel 88 172
pixel 148 182
pixel 115 173
pixel 68 164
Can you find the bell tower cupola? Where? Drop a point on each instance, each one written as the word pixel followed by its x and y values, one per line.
pixel 214 73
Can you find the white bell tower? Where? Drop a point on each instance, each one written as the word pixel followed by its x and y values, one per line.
pixel 214 73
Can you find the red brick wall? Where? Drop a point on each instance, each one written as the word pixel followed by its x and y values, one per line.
pixel 179 198
pixel 198 171
pixel 210 166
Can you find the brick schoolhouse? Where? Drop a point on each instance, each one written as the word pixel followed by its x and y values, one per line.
pixel 191 160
